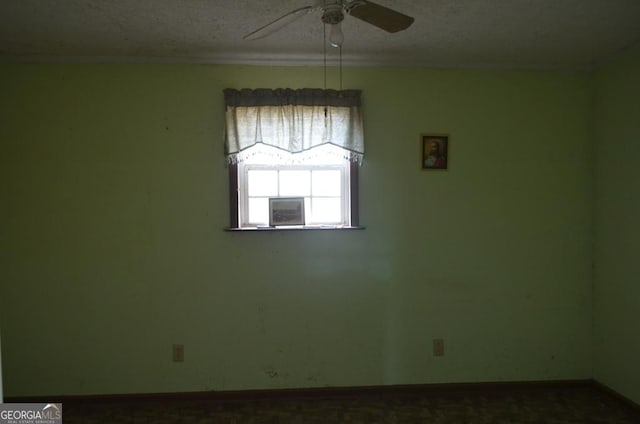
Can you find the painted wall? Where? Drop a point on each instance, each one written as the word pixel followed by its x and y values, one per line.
pixel 1 396
pixel 114 193
pixel 617 281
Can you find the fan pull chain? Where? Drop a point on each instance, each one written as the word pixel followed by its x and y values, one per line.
pixel 340 68
pixel 324 56
pixel 324 52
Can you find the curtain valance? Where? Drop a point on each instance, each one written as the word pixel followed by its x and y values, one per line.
pixel 289 96
pixel 293 120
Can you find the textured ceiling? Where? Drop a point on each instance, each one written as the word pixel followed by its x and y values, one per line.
pixel 478 33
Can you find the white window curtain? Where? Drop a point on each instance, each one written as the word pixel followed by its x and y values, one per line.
pixel 293 121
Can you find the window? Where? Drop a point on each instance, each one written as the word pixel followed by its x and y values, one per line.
pixel 294 143
pixel 323 180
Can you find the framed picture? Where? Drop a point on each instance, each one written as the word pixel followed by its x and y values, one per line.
pixel 435 151
pixel 286 211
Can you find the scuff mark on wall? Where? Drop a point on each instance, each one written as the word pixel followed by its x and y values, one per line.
pixel 271 372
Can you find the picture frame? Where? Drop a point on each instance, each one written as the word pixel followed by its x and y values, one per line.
pixel 435 151
pixel 285 211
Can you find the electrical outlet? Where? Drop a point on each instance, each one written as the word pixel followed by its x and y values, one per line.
pixel 178 353
pixel 438 347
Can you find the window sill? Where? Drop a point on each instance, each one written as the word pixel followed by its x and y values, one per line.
pixel 296 228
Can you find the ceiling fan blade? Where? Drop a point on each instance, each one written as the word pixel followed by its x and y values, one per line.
pixel 279 23
pixel 379 16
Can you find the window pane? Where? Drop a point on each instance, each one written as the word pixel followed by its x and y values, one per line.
pixel 295 183
pixel 307 210
pixel 259 210
pixel 326 210
pixel 326 183
pixel 263 183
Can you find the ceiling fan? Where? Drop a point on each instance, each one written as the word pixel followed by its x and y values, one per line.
pixel 333 13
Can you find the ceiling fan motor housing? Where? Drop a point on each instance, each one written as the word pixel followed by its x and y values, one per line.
pixel 332 14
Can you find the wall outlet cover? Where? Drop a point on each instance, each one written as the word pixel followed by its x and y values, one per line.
pixel 178 353
pixel 438 347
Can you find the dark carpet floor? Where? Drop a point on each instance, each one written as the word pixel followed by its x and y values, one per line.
pixel 580 405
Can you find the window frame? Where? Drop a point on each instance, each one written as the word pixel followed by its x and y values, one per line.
pixel 243 180
pixel 234 198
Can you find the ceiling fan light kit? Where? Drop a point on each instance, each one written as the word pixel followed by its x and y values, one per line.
pixel 333 12
pixel 333 16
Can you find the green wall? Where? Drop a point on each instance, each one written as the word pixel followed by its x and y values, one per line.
pixel 114 199
pixel 617 282
pixel 1 395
